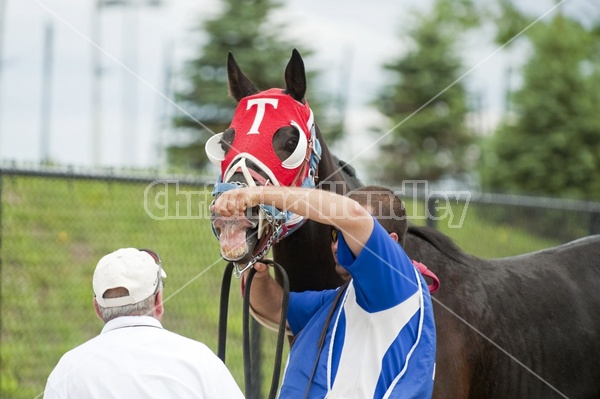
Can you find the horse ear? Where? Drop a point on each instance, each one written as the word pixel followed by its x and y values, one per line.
pixel 239 85
pixel 295 77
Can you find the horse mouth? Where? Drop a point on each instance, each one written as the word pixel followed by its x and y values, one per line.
pixel 236 237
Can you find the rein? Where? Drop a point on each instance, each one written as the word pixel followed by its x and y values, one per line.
pixel 224 305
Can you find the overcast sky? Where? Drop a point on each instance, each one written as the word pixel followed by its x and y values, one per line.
pixel 366 32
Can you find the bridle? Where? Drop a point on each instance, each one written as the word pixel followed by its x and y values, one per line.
pixel 273 225
pixel 281 332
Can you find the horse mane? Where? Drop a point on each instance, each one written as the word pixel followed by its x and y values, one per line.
pixel 441 242
pixel 348 173
pixel 332 170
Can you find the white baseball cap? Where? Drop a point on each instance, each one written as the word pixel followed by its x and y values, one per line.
pixel 139 271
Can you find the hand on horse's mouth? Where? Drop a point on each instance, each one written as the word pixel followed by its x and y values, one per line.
pixel 232 236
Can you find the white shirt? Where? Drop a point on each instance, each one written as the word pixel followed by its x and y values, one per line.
pixel 135 357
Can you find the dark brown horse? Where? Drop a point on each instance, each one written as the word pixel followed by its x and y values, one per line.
pixel 526 326
pixel 304 254
pixel 519 327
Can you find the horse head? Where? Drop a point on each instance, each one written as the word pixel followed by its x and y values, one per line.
pixel 272 140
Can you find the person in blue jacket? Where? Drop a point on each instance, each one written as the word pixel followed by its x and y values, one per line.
pixel 374 337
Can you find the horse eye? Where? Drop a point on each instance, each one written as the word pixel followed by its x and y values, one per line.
pixel 291 144
pixel 224 145
pixel 217 146
pixel 300 145
pixel 227 139
pixel 285 141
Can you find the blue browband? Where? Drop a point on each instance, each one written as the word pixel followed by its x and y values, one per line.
pixel 287 221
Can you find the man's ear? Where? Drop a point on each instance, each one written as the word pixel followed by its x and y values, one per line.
pixel 159 308
pixel 96 309
pixel 394 236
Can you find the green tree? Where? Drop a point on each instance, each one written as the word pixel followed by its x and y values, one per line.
pixel 425 103
pixel 245 29
pixel 551 145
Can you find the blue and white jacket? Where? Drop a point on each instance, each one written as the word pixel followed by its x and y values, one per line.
pixel 380 341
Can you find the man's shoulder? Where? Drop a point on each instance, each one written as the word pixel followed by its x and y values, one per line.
pixel 123 337
pixel 83 351
pixel 184 344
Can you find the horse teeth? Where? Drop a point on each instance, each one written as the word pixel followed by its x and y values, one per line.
pixel 233 253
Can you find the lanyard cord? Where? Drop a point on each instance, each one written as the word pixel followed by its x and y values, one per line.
pixel 338 296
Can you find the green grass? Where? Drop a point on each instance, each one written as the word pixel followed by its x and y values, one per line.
pixel 55 230
pixel 53 233
pixel 477 236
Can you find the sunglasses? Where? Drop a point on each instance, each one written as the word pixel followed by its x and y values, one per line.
pixel 158 262
pixel 334 234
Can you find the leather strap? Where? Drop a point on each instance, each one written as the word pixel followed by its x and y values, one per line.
pixel 435 285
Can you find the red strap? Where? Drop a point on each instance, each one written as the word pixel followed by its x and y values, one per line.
pixel 435 285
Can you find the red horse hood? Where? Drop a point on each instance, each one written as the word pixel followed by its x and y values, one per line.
pixel 255 122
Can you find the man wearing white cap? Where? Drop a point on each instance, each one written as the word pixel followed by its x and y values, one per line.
pixel 134 356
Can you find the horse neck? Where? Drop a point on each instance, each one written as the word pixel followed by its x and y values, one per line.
pixel 440 255
pixel 307 258
pixel 306 253
pixel 330 177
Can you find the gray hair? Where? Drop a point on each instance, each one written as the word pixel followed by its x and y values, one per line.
pixel 141 308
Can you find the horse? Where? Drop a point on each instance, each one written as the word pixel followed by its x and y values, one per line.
pixel 293 147
pixel 526 326
pixel 519 327
pixel 305 254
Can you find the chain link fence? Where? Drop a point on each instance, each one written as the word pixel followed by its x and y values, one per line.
pixel 57 223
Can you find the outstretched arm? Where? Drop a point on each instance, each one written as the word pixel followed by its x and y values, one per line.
pixel 318 205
